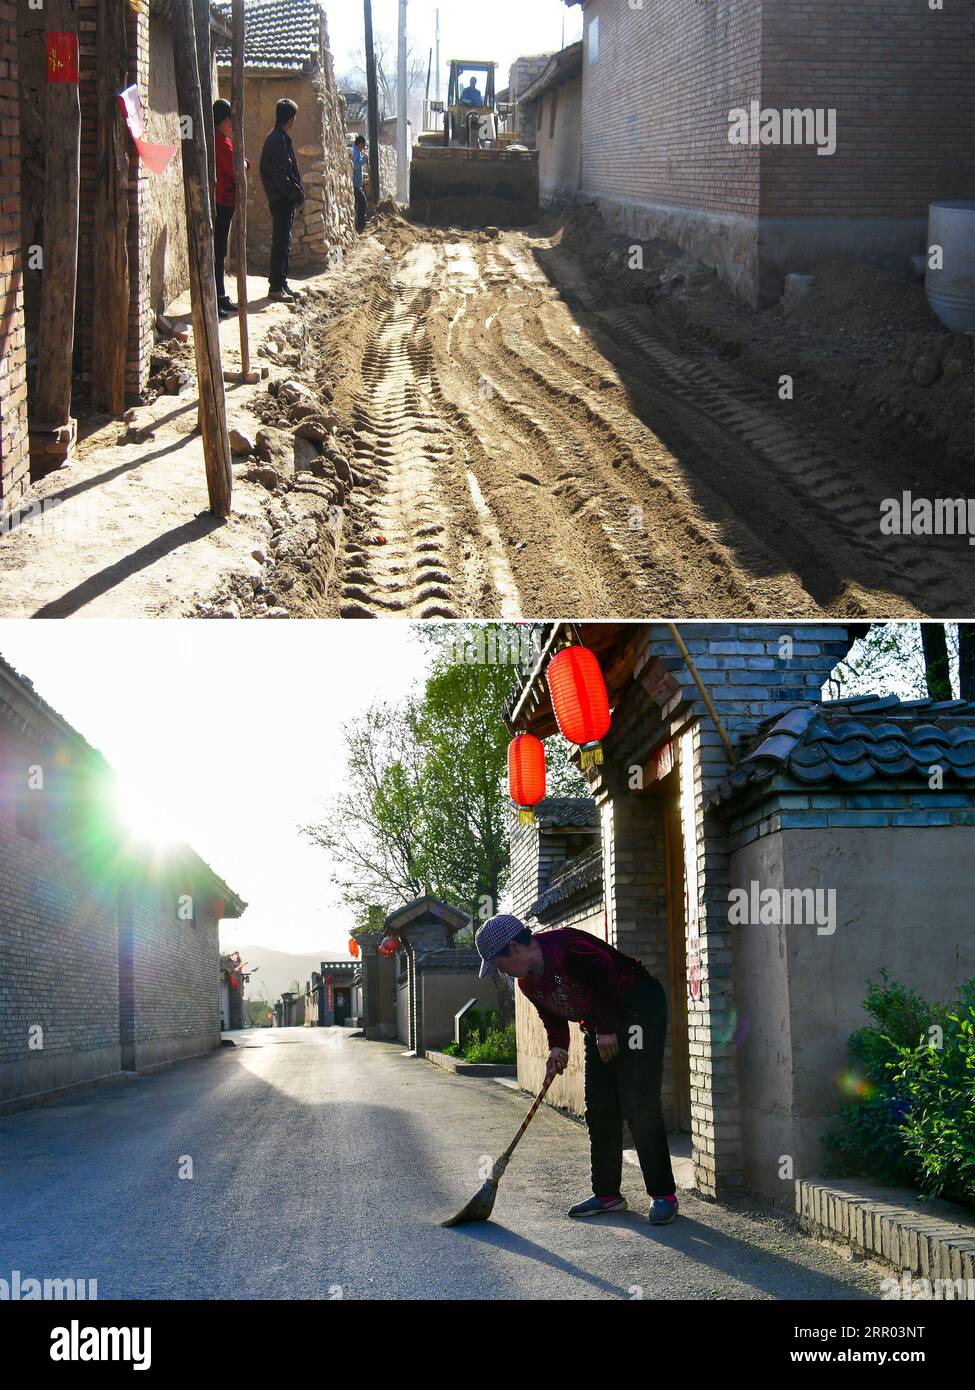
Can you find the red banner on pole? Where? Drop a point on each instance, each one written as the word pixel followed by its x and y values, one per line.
pixel 62 57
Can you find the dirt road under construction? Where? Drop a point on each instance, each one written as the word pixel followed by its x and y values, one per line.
pixel 526 443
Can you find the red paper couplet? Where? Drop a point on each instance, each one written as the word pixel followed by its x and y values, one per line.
pixel 62 57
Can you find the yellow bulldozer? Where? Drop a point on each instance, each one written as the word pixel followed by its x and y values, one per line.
pixel 471 171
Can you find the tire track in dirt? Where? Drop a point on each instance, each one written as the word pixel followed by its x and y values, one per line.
pixel 410 559
pixel 535 451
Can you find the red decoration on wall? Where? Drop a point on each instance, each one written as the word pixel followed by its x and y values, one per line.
pixel 579 700
pixel 526 775
pixel 328 991
pixel 389 945
pixel 62 57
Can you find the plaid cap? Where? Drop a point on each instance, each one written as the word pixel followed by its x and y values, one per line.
pixel 496 933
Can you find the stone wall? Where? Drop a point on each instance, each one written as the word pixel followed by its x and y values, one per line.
pixel 326 221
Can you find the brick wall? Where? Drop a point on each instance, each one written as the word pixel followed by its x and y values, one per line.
pixel 656 102
pixel 176 968
pixel 58 934
pixel 14 458
pixel 751 673
pixel 900 78
pixel 92 949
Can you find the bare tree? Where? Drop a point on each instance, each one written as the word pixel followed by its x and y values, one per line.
pixel 385 49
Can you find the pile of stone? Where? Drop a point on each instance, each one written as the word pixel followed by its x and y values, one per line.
pixel 170 367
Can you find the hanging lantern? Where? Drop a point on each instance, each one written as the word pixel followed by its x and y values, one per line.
pixel 580 702
pixel 389 945
pixel 353 948
pixel 526 775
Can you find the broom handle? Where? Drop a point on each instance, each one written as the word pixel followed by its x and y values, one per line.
pixel 526 1121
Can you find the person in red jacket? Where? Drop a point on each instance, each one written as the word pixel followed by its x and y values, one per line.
pixel 571 975
pixel 226 197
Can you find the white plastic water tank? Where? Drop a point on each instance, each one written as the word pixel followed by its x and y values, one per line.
pixel 951 290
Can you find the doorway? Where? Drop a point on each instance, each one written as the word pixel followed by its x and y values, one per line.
pixel 341 1005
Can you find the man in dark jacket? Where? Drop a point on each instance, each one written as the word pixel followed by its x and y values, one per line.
pixel 571 975
pixel 285 192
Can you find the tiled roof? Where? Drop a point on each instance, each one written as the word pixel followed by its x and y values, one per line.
pixel 279 35
pixel 581 871
pixel 861 740
pixel 557 811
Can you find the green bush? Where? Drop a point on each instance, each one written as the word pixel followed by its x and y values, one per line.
pixel 909 1119
pixel 498 1045
pixel 451 1050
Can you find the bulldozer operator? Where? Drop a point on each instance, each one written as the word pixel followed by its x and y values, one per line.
pixel 471 96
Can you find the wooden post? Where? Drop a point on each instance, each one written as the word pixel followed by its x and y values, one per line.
pixel 203 285
pixel 240 177
pixel 372 105
pixel 62 172
pixel 111 229
pixel 204 58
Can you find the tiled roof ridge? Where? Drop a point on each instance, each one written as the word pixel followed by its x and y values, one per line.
pixel 860 739
pixel 580 871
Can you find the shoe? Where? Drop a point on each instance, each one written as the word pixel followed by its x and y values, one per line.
pixel 225 302
pixel 223 313
pixel 663 1211
pixel 295 294
pixel 281 297
pixel 595 1206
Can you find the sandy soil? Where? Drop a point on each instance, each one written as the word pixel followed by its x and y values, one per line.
pixel 518 428
pixel 532 443
pixel 125 529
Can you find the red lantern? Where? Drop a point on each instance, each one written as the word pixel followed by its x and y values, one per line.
pixel 353 948
pixel 580 701
pixel 526 775
pixel 389 945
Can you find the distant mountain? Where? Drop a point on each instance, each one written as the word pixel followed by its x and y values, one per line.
pixel 278 969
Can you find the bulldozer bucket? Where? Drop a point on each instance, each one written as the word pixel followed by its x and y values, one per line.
pixel 468 186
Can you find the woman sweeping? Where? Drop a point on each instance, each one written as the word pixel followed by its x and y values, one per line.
pixel 570 975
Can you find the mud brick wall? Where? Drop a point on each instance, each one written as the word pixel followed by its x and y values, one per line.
pixel 169 269
pixel 14 459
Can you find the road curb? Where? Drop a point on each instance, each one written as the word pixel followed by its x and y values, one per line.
pixel 933 1242
pixel 462 1068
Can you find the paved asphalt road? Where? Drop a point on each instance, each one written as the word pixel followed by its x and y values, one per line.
pixel 322 1164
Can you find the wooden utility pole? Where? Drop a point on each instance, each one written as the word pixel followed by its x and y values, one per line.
pixel 111 229
pixel 240 177
pixel 372 105
pixel 62 171
pixel 204 58
pixel 199 240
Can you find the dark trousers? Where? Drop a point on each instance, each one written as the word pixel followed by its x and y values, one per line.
pixel 221 240
pixel 282 217
pixel 360 210
pixel 628 1088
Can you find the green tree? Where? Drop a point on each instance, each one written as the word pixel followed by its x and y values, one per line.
pixel 910 659
pixel 425 807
